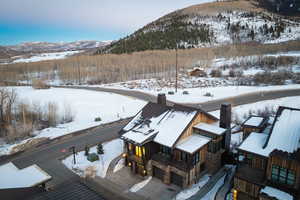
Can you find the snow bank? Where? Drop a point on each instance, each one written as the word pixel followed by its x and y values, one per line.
pixel 187 193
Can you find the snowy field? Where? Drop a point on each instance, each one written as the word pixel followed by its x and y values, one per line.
pixel 44 56
pixel 112 150
pixel 86 106
pixel 197 95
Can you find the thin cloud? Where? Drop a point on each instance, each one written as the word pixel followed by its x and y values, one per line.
pixel 116 15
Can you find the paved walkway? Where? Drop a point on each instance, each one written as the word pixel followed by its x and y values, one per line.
pixel 221 194
pixel 112 165
pixel 210 184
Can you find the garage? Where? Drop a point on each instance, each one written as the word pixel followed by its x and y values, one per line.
pixel 176 179
pixel 158 173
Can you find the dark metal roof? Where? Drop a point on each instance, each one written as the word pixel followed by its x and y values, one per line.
pixel 70 191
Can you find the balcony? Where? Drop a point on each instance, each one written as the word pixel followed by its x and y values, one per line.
pixel 166 160
pixel 249 174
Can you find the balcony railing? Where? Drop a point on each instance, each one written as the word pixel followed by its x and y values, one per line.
pixel 167 160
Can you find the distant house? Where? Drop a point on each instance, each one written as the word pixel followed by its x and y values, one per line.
pixel 269 162
pixel 254 124
pixel 176 144
pixel 197 72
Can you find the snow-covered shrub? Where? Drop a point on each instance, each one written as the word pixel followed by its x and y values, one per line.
pixel 208 94
pixel 98 119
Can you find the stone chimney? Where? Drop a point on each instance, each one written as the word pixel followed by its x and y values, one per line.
pixel 162 99
pixel 225 122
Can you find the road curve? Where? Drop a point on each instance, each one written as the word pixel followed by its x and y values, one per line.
pixel 207 106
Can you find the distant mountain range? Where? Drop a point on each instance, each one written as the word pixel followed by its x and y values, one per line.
pixel 48 47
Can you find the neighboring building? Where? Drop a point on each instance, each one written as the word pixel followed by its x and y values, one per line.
pixel 254 124
pixel 176 144
pixel 21 183
pixel 197 72
pixel 269 162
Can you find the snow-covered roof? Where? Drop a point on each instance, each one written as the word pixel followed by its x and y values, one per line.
pixel 210 128
pixel 278 194
pixel 12 177
pixel 192 143
pixel 285 135
pixel 254 121
pixel 161 123
pixel 254 143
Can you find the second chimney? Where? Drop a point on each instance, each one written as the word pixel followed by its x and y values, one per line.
pixel 162 99
pixel 225 122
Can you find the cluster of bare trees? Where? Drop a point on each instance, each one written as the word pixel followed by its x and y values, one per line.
pixel 108 68
pixel 19 119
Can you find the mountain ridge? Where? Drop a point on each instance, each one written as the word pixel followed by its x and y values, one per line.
pixel 210 24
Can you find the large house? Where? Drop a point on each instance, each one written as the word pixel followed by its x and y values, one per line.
pixel 177 144
pixel 269 160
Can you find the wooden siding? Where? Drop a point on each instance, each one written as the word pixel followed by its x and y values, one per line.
pixel 288 164
pixel 257 162
pixel 246 187
pixel 201 117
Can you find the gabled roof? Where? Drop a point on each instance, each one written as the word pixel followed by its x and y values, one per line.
pixel 161 123
pixel 284 135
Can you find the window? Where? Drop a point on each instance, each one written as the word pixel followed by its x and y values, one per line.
pixel 282 175
pixel 183 156
pixel 138 151
pixel 165 150
pixel 248 159
pixel 214 147
pixel 196 158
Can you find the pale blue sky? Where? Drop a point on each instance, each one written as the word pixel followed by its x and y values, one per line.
pixel 69 20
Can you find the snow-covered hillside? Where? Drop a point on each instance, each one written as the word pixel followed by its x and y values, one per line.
pixel 232 27
pixel 43 57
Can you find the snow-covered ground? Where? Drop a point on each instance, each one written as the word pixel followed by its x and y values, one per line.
pixel 198 95
pixel 187 193
pixel 112 150
pixel 44 56
pixel 86 105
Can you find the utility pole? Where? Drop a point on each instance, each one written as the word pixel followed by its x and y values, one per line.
pixel 176 82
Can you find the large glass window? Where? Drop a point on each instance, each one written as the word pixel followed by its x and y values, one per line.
pixel 282 175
